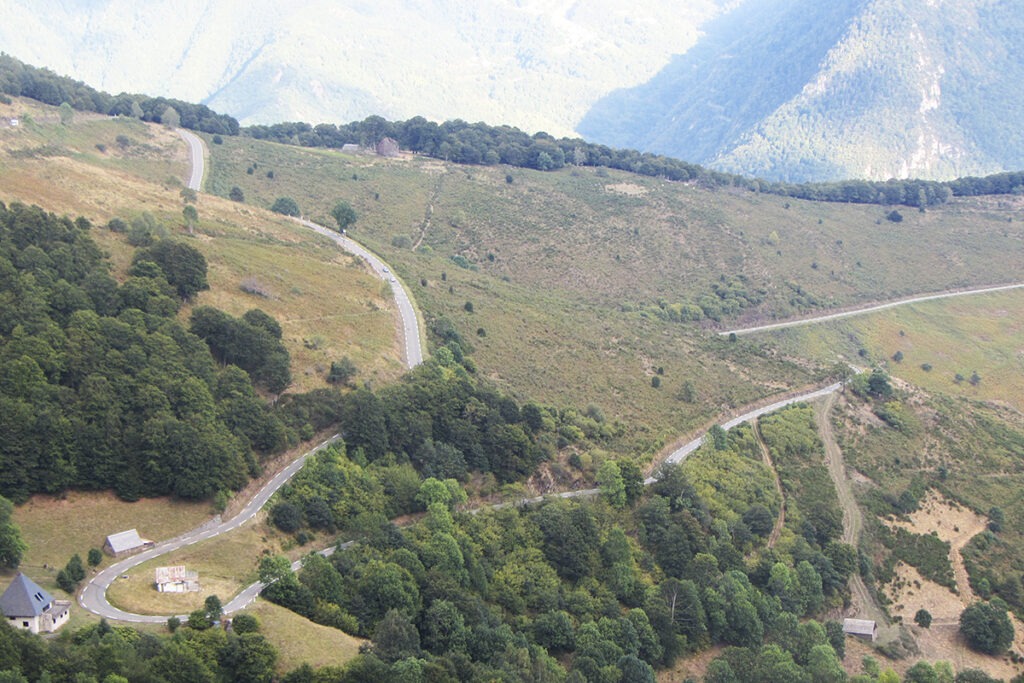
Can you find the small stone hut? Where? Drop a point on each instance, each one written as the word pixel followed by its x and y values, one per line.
pixel 387 147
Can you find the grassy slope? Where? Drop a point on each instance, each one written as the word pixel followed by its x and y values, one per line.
pixel 299 640
pixel 327 302
pixel 957 336
pixel 559 259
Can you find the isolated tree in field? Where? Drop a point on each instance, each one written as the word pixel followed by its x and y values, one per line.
pixel 342 371
pixel 996 519
pixel 344 214
pixel 67 114
pixel 236 194
pixel 170 117
pixel 878 384
pixel 94 557
pixel 191 217
pixel 923 618
pixel 286 206
pixel 986 627
pixel 188 195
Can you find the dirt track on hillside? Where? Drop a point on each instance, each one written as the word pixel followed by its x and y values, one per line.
pixel 766 457
pixel 863 604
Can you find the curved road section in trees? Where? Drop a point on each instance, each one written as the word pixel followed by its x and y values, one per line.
pixel 94 596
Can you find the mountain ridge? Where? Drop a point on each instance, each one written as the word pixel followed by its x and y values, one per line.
pixel 905 88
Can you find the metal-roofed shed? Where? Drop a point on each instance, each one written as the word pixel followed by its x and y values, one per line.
pixel 862 628
pixel 125 543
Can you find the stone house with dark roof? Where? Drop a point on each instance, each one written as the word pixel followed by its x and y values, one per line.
pixel 29 607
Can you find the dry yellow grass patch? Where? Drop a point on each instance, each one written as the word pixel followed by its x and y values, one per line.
pixel 55 528
pixel 956 525
pixel 298 640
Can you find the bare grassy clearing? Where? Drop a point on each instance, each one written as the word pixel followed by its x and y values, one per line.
pixel 55 528
pixel 299 640
pixel 627 188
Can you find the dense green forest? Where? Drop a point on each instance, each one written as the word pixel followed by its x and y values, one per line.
pixel 617 585
pixel 104 387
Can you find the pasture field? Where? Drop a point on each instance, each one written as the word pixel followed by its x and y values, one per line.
pixel 299 641
pixel 937 340
pixel 561 282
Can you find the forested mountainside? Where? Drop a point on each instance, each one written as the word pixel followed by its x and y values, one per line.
pixel 799 90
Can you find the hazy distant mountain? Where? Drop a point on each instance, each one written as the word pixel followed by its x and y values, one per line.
pixel 805 89
pixel 536 64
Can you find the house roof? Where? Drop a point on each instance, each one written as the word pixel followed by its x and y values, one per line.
pixel 125 540
pixel 24 598
pixel 859 626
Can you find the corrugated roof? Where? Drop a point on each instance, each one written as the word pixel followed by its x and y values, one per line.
pixel 859 626
pixel 24 598
pixel 125 540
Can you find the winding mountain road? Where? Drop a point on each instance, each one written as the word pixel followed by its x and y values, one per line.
pixel 870 309
pixel 94 596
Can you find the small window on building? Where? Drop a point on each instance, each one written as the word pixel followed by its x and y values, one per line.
pixel 25 624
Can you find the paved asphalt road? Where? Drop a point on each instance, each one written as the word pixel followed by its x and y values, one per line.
pixel 869 309
pixel 195 150
pixel 410 324
pixel 94 599
pixel 94 595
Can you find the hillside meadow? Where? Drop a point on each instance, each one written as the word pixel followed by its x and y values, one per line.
pixel 575 289
pixel 328 303
pixel 570 285
pixel 978 336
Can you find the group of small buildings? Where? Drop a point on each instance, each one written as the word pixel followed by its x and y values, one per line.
pixel 26 605
pixel 387 147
